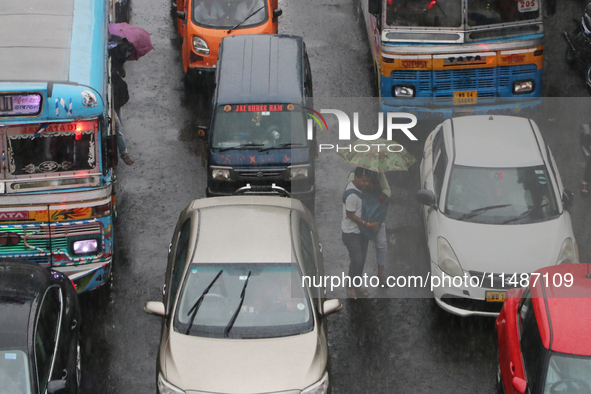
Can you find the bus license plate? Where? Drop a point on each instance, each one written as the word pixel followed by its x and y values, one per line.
pixel 496 296
pixel 467 97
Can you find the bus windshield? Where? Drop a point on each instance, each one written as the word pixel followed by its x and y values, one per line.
pixel 448 13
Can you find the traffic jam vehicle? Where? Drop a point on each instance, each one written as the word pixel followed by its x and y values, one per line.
pixel 57 198
pixel 494 208
pixel 439 59
pixel 239 315
pixel 543 331
pixel 39 330
pixel 203 23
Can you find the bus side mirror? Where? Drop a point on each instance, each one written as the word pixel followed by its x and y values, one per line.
pixel 277 13
pixel 374 7
pixel 110 154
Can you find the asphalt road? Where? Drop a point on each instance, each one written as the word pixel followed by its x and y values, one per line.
pixel 378 345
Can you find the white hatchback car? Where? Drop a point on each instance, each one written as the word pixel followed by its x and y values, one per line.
pixel 238 316
pixel 494 206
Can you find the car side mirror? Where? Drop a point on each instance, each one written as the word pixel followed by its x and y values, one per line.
pixel 202 132
pixel 155 308
pixel 426 197
pixel 277 13
pixel 520 385
pixel 110 154
pixel 181 15
pixel 567 198
pixel 56 386
pixel 331 306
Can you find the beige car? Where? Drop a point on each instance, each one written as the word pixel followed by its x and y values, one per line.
pixel 238 319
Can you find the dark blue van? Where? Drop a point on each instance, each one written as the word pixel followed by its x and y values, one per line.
pixel 258 133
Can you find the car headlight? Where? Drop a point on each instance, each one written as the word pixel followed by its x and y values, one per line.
pixel 403 91
pixel 298 172
pixel 220 173
pixel 85 246
pixel 200 46
pixel 569 253
pixel 164 387
pixel 520 87
pixel 447 259
pixel 320 387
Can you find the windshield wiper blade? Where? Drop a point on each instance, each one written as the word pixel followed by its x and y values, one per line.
pixel 523 214
pixel 281 146
pixel 478 211
pixel 245 19
pixel 240 146
pixel 197 304
pixel 235 315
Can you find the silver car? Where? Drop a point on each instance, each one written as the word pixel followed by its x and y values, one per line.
pixel 239 317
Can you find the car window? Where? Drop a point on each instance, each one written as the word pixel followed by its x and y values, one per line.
pixel 532 349
pixel 307 249
pixel 180 259
pixel 14 372
pixel 501 195
pixel 243 300
pixel 218 13
pixel 439 172
pixel 568 374
pixel 46 331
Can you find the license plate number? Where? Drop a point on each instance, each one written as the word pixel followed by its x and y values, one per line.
pixel 496 296
pixel 467 97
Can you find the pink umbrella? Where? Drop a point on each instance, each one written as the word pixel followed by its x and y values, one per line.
pixel 138 38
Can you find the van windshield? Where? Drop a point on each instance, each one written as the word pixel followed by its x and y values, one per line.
pixel 261 126
pixel 228 13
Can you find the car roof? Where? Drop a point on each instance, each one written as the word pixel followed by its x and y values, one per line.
pixel 564 313
pixel 22 283
pixel 260 68
pixel 244 229
pixel 495 141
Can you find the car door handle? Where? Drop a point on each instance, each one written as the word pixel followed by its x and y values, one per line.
pixel 320 247
pixel 512 367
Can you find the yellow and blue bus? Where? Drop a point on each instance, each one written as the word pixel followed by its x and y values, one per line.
pixel 57 199
pixel 443 58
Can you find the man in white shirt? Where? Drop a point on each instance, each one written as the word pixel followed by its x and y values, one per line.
pixel 355 242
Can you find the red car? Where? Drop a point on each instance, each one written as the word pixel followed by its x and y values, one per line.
pixel 544 332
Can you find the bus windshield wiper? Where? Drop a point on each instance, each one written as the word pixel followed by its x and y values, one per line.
pixel 281 146
pixel 197 304
pixel 523 214
pixel 245 19
pixel 478 211
pixel 240 146
pixel 235 315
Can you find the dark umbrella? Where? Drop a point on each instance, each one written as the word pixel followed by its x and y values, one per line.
pixel 139 38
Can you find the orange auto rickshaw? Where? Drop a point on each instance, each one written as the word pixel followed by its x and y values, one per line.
pixel 203 23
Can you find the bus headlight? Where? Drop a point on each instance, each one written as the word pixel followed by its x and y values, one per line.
pixel 403 91
pixel 521 87
pixel 85 246
pixel 200 46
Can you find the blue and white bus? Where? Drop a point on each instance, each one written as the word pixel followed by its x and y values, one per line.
pixel 57 198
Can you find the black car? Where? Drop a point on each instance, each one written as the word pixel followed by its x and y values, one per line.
pixel 39 330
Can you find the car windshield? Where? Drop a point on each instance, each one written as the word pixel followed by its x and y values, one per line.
pixel 448 13
pixel 258 126
pixel 228 13
pixel 53 148
pixel 489 12
pixel 500 195
pixel 14 372
pixel 424 13
pixel 270 306
pixel 568 374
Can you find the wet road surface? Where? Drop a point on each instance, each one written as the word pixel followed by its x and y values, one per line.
pixel 377 345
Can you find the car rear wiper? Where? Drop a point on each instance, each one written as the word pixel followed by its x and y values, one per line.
pixel 281 146
pixel 235 315
pixel 197 304
pixel 240 146
pixel 478 211
pixel 245 19
pixel 524 214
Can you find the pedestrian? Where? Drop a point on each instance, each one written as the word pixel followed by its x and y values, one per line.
pixel 355 242
pixel 380 188
pixel 121 97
